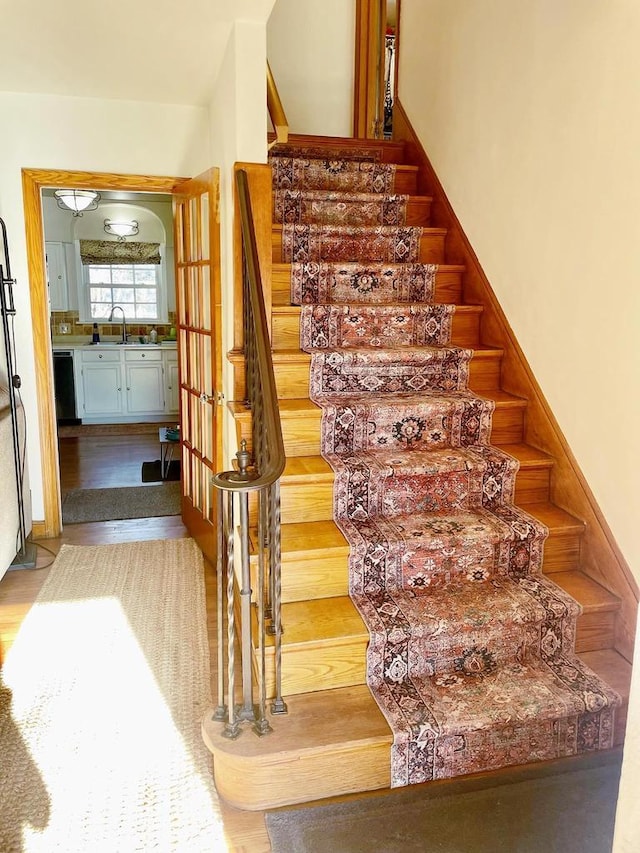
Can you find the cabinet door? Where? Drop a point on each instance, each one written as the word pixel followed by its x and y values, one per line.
pixel 57 275
pixel 102 389
pixel 145 388
pixel 173 388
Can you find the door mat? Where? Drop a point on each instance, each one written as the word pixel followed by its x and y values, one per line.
pixel 83 505
pixel 536 810
pixel 151 472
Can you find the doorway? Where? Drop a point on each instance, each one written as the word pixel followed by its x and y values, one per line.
pixel 111 403
pixel 34 181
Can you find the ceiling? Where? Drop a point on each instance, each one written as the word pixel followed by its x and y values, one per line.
pixel 142 50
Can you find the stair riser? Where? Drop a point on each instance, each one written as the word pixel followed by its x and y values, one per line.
pixel 308 669
pixel 308 776
pixel 406 182
pixel 595 631
pixel 431 247
pixel 313 501
pixel 311 578
pixel 562 553
pixel 448 286
pixel 465 330
pixel 292 376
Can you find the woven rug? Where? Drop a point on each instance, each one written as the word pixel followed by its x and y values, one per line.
pixel 102 697
pixel 82 505
pixel 471 653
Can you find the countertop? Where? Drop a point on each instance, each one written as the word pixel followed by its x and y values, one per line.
pixel 68 342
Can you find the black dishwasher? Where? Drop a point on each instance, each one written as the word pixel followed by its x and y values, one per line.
pixel 64 384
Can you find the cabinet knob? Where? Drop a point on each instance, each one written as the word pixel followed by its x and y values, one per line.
pixel 143 354
pixel 99 356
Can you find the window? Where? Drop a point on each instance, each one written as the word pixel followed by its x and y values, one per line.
pixel 135 287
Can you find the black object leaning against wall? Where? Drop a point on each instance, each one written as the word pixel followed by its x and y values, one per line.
pixel 25 550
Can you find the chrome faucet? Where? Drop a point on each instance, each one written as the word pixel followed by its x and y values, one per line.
pixel 124 322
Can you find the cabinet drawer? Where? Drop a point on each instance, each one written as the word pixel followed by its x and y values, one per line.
pixel 170 355
pixel 97 356
pixel 142 355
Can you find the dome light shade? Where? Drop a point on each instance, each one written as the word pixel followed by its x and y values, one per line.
pixel 121 228
pixel 77 201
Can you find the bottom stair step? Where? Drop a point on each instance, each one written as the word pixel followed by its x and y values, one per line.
pixel 330 743
pixel 334 742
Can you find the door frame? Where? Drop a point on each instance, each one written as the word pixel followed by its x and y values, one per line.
pixel 33 181
pixel 368 80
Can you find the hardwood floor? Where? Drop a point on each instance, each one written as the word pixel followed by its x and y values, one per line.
pixel 102 461
pixel 105 461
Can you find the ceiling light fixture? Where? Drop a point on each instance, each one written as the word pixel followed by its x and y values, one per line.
pixel 121 228
pixel 77 201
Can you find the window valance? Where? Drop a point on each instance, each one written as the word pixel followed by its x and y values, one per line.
pixel 119 252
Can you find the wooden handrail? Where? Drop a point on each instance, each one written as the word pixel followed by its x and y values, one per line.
pixel 276 110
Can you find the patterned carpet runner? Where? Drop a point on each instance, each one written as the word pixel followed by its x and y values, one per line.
pixel 471 653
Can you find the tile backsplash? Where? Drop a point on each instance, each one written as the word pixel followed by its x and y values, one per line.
pixel 71 321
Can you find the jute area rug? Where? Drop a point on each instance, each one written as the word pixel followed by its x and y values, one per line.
pixel 101 701
pixel 566 807
pixel 82 505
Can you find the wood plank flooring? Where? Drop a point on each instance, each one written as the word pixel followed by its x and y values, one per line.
pixel 105 461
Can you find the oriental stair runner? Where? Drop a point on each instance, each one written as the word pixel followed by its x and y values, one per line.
pixel 471 652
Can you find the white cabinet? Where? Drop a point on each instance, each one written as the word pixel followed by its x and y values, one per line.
pixel 101 384
pixel 57 275
pixel 172 380
pixel 144 378
pixel 122 384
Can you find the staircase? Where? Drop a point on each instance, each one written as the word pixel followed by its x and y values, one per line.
pixel 334 739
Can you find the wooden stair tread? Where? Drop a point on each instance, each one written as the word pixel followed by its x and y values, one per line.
pixel 612 668
pixel 591 595
pixel 298 467
pixel 319 621
pixel 298 355
pixel 301 538
pixel 527 455
pixel 554 518
pixel 284 310
pixel 303 407
pixel 429 231
pixel 280 268
pixel 390 150
pixel 314 722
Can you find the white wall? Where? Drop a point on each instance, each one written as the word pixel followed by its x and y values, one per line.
pixel 310 46
pixel 76 134
pixel 238 134
pixel 529 114
pixel 525 112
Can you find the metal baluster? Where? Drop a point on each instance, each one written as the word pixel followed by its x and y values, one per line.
pixel 247 711
pixel 220 712
pixel 232 728
pixel 262 726
pixel 278 705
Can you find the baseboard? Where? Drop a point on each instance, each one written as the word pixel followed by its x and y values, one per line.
pixel 601 557
pixel 39 530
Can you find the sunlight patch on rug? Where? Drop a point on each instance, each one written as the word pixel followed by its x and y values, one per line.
pixel 107 683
